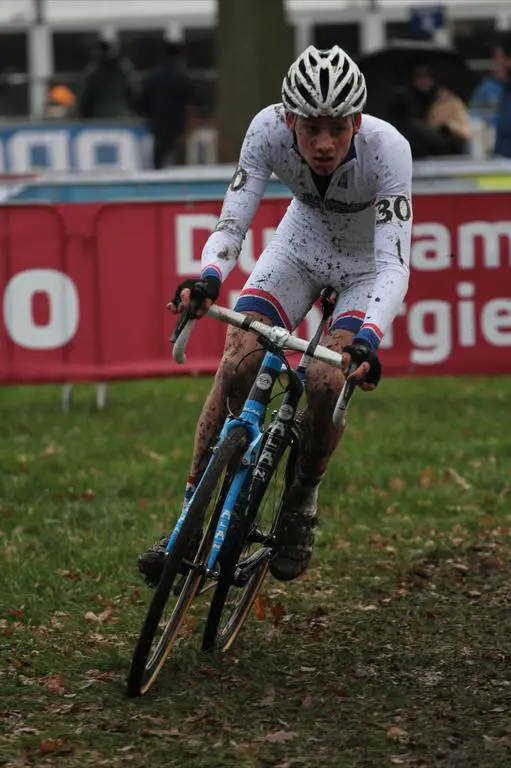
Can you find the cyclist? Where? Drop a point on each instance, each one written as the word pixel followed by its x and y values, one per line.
pixel 348 226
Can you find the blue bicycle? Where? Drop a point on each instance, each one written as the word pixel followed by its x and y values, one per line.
pixel 237 502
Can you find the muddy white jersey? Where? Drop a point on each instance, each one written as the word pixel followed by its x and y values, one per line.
pixel 361 225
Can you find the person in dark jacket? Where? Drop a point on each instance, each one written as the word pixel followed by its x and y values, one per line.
pixel 503 132
pixel 425 140
pixel 167 104
pixel 440 108
pixel 108 86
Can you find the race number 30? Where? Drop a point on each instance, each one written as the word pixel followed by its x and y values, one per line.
pixel 391 208
pixel 63 303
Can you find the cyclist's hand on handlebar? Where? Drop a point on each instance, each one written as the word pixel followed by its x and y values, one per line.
pixel 368 371
pixel 195 296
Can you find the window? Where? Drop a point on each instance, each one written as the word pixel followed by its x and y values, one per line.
pixel 144 47
pixel 13 74
pixel 13 51
pixel 345 35
pixel 72 51
pixel 200 48
pixel 404 30
pixel 474 38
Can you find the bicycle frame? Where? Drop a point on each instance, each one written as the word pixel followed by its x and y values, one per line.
pixel 252 420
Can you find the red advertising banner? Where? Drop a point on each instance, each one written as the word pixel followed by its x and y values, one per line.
pixel 83 288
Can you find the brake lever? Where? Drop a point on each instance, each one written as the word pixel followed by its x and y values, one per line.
pixel 187 315
pixel 341 407
pixel 180 326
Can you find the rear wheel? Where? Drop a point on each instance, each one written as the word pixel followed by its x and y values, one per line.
pixel 244 567
pixel 165 620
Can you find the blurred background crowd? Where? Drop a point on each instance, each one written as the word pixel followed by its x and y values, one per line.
pixel 440 72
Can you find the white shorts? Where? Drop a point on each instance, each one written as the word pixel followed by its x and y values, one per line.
pixel 298 263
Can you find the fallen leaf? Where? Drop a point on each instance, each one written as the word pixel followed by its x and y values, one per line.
pixel 102 617
pixel 279 736
pixel 260 608
pixel 88 494
pixel 55 684
pixel 50 450
pixel 190 623
pixel 278 612
pixel 16 613
pixel 27 729
pixel 160 732
pixel 54 745
pixel 397 484
pixel 395 733
pixel 269 699
pixel 308 702
pixel 461 567
pixel 426 477
pixel 71 575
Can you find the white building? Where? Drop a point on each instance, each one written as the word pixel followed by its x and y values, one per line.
pixel 46 27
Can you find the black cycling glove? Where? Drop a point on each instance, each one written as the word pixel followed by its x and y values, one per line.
pixel 361 352
pixel 200 290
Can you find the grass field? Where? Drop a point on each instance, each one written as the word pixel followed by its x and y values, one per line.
pixel 394 649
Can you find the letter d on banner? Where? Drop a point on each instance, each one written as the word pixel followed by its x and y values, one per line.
pixel 63 303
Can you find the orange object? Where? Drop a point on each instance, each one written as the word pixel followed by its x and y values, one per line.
pixel 61 94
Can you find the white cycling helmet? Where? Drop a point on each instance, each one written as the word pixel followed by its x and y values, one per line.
pixel 325 83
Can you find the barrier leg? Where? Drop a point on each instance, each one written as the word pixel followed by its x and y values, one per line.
pixel 66 393
pixel 101 392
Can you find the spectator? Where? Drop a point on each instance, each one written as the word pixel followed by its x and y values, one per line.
pixel 485 100
pixel 425 140
pixel 107 87
pixel 503 138
pixel 167 104
pixel 441 109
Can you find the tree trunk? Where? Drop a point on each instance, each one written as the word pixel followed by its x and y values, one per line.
pixel 253 53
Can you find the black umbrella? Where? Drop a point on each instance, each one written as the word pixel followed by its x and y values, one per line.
pixel 391 67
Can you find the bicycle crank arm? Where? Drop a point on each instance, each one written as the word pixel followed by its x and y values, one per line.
pixel 244 571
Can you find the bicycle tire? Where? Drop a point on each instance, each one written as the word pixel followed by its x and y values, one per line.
pixel 145 667
pixel 216 638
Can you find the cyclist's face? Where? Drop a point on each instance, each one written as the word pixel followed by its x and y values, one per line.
pixel 323 142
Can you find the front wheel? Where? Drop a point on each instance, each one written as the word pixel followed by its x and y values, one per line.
pixel 244 569
pixel 164 624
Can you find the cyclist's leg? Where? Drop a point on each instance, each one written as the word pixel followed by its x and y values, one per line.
pixel 324 383
pixel 295 533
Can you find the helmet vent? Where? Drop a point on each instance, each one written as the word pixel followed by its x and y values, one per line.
pixel 324 83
